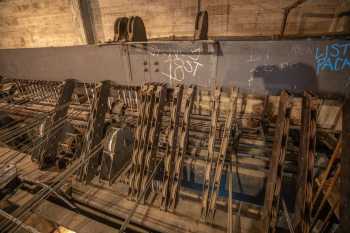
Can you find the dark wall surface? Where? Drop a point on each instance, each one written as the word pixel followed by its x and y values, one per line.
pixel 322 66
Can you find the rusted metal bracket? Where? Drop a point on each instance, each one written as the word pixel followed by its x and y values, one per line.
pixel 183 140
pixel 225 141
pixel 275 175
pixel 306 162
pixel 211 153
pixel 172 138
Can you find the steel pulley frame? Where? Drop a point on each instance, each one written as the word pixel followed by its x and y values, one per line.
pixel 95 131
pixel 183 140
pixel 211 153
pixel 225 142
pixel 137 142
pixel 306 162
pixel 146 137
pixel 152 146
pixel 172 138
pixel 275 175
pixel 142 136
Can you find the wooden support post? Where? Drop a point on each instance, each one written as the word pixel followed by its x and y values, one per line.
pixel 275 176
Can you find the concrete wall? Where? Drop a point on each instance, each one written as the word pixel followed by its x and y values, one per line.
pixel 40 23
pixel 164 18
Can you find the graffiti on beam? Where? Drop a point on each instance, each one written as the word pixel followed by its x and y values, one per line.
pixel 333 57
pixel 179 65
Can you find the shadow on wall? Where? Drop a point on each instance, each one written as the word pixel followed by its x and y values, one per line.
pixel 295 77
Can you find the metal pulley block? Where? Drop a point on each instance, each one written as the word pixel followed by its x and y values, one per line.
pixel 120 29
pixel 129 29
pixel 117 152
pixel 136 29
